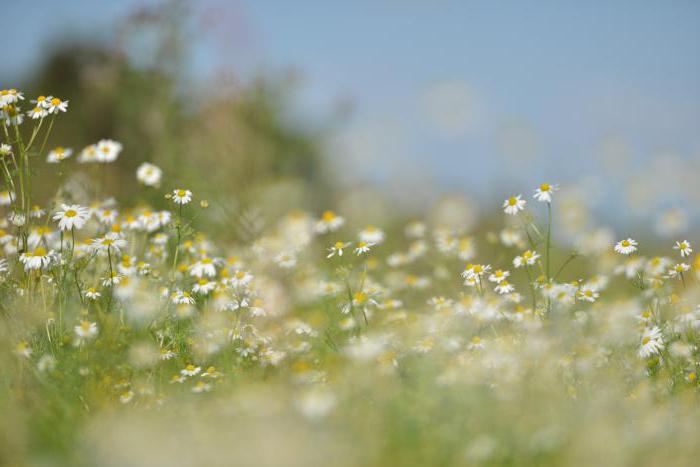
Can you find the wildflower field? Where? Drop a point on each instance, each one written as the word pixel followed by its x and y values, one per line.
pixel 129 336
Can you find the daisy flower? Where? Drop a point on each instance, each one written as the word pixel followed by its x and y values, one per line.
pixel 10 96
pixel 544 192
pixel 678 270
pixel 6 197
pixel 23 349
pixel 684 248
pixel 203 286
pixel 285 260
pixel 88 154
pixel 240 279
pixel 190 370
pixel 37 259
pixel 86 330
pixel 106 215
pixel 37 113
pixel 11 115
pixel 42 101
pixel 5 150
pixel 92 293
pixel 110 242
pixel 474 271
pixel 504 287
pixel 337 249
pixel 37 212
pixel 587 294
pixel 498 276
pixel 71 217
pixel 371 234
pixel 329 222
pixel 107 150
pixel 203 267
pixel 528 258
pixel 513 205
pixel 201 386
pixel 363 247
pixel 58 154
pixel 182 196
pixel 149 174
pixel 651 343
pixel 114 279
pixel 626 247
pixel 182 298
pixel 56 105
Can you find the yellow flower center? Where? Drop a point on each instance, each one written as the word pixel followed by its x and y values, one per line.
pixel 545 187
pixel 39 251
pixel 625 243
pixel 512 201
pixel 70 213
pixel 181 193
pixel 328 216
pixel 339 245
pixel 55 101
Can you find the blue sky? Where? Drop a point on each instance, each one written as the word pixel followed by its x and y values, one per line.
pixel 456 93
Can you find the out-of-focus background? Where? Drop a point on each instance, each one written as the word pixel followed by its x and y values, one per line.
pixel 318 104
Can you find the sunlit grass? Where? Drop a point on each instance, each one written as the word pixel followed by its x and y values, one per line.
pixel 129 337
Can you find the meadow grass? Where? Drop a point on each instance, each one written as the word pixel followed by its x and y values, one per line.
pixel 129 337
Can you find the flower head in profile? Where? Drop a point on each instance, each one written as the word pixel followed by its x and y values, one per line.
pixel 362 247
pixel 181 196
pixel 372 234
pixel 513 205
pixel 626 247
pixel 544 192
pixel 329 222
pixel 203 267
pixel 112 242
pixel 652 342
pixel 58 154
pixel 499 276
pixel 190 370
pixel 474 271
pixel 71 217
pixel 504 287
pixel 337 249
pixel 36 259
pixel 6 197
pixel 528 258
pixel 86 330
pixel 10 96
pixel 678 270
pixel 180 297
pixel 57 105
pixel 37 113
pixel 683 248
